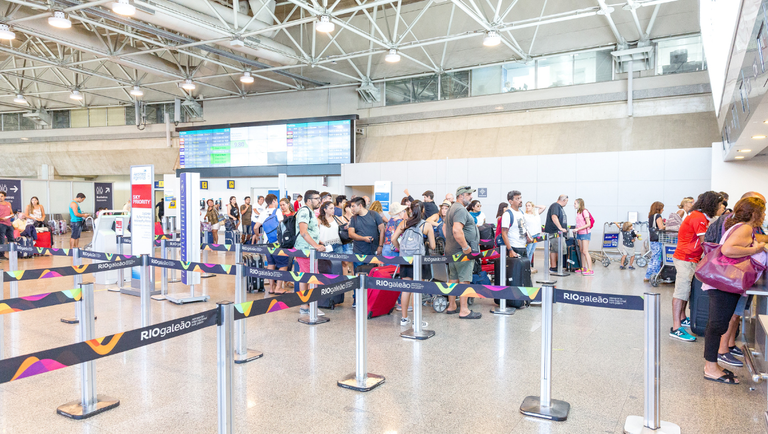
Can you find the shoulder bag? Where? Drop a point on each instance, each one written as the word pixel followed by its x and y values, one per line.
pixel 734 275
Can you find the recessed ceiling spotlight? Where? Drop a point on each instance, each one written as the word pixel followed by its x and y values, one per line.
pixel 20 100
pixel 246 78
pixel 744 150
pixel 6 33
pixel 76 95
pixel 324 24
pixel 758 137
pixel 123 7
pixel 392 56
pixel 136 91
pixel 59 20
pixel 739 157
pixel 188 85
pixel 491 39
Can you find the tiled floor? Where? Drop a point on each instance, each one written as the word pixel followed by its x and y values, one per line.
pixel 471 377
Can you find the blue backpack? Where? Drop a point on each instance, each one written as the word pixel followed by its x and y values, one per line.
pixel 270 227
pixel 499 239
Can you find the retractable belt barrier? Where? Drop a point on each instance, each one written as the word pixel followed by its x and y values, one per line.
pixel 5 247
pixel 370 259
pixel 37 301
pixel 455 289
pixel 73 270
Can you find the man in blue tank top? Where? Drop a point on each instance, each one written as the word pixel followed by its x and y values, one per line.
pixel 76 219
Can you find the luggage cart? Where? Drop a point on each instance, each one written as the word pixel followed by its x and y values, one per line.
pixel 641 228
pixel 668 240
pixel 611 240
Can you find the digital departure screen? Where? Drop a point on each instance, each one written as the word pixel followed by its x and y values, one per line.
pixel 273 144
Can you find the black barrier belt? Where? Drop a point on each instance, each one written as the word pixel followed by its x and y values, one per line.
pixel 611 301
pixel 126 240
pixel 296 277
pixel 72 270
pixel 455 289
pixel 250 309
pixel 192 266
pixel 5 247
pixel 41 362
pixel 169 244
pixel 370 259
pixel 99 256
pixel 37 301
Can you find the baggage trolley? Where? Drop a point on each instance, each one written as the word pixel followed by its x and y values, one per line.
pixel 668 240
pixel 611 240
pixel 641 259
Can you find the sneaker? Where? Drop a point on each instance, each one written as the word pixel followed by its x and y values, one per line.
pixel 728 359
pixel 398 307
pixel 553 270
pixel 404 322
pixel 588 273
pixel 534 271
pixel 578 270
pixel 631 267
pixel 686 322
pixel 682 335
pixel 735 351
pixel 621 267
pixel 354 305
pixel 303 311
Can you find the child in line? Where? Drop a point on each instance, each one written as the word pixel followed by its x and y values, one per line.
pixel 627 248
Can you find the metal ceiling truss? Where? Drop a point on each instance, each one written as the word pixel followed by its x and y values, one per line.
pixel 36 59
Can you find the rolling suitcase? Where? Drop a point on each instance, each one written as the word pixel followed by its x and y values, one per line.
pixel 699 304
pixel 381 302
pixel 330 267
pixel 253 284
pixel 25 242
pixel 231 236
pixel 43 239
pixel 518 274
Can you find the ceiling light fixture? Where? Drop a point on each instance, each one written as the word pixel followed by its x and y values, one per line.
pixel 20 100
pixel 6 33
pixel 324 24
pixel 136 91
pixel 739 157
pixel 744 150
pixel 59 20
pixel 758 137
pixel 392 56
pixel 491 39
pixel 188 85
pixel 246 78
pixel 76 95
pixel 123 7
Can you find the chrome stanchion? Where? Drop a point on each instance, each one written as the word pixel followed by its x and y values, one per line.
pixel 89 404
pixel 78 279
pixel 13 265
pixel 145 296
pixel 361 380
pixel 172 278
pixel 560 271
pixel 651 423
pixel 205 259
pixel 417 331
pixel 544 406
pixel 120 275
pixel 224 366
pixel 546 257
pixel 313 318
pixel 242 354
pixel 163 274
pixel 503 309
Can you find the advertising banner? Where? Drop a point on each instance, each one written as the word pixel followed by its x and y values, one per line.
pixel 171 196
pixel 142 211
pixel 382 191
pixel 12 190
pixel 102 196
pixel 189 196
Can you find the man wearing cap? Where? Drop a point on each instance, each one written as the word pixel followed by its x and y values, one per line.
pixel 461 236
pixel 430 208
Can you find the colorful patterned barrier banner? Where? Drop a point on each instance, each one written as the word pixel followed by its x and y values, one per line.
pixel 163 237
pixel 86 254
pixel 192 266
pixel 41 362
pixel 39 300
pixel 371 259
pixel 455 289
pixel 611 301
pixel 47 273
pixel 275 251
pixel 46 251
pixel 296 277
pixel 218 247
pixel 250 309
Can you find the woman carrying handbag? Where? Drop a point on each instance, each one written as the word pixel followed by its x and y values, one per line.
pixel 727 271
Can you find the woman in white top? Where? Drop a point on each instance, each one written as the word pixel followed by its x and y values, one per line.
pixel 475 210
pixel 35 213
pixel 533 224
pixel 329 228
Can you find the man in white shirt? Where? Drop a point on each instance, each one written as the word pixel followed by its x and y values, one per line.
pixel 269 235
pixel 514 232
pixel 260 207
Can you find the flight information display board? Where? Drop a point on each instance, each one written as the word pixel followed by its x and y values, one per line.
pixel 278 144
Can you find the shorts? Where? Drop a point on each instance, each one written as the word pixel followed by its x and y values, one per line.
pixel 461 271
pixel 216 227
pixel 406 271
pixel 555 242
pixel 77 227
pixel 584 237
pixel 629 251
pixel 683 279
pixel 248 228
pixel 303 264
pixel 278 261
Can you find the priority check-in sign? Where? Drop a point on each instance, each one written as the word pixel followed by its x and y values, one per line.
pixel 142 212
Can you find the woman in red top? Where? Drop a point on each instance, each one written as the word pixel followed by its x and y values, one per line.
pixel 285 207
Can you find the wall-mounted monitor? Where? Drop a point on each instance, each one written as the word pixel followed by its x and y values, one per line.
pixel 291 143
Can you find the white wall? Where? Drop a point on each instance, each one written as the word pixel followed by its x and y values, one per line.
pixel 738 177
pixel 611 183
pixel 217 187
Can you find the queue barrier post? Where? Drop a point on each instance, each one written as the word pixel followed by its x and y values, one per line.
pixel 313 318
pixel 89 404
pixel 651 422
pixel 560 271
pixel 417 331
pixel 546 257
pixel 242 353
pixel 224 366
pixel 503 309
pixel 205 260
pixel 145 295
pixel 2 317
pixel 120 275
pixel 13 265
pixel 172 278
pixel 544 406
pixel 361 380
pixel 163 272
pixel 78 279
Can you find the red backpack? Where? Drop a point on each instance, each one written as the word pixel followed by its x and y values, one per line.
pixel 591 219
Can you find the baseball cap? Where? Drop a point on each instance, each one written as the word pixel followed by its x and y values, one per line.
pixel 446 203
pixel 464 189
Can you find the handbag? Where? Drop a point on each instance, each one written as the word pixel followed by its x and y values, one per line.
pixel 343 231
pixel 734 275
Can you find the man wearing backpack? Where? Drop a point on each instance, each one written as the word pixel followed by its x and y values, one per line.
pixel 514 232
pixel 307 237
pixel 269 220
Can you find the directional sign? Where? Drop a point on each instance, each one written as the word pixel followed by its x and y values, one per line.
pixel 102 195
pixel 230 184
pixel 204 185
pixel 482 192
pixel 12 190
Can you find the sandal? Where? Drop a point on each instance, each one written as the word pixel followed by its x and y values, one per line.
pixel 725 378
pixel 472 315
pixel 278 293
pixel 452 312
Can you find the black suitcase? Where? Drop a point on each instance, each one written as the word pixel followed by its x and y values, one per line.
pixel 573 258
pixel 254 284
pixel 330 267
pixel 699 304
pixel 25 242
pixel 231 236
pixel 518 274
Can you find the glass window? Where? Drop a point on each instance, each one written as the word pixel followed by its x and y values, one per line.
pixel 150 114
pixel 592 67
pixel 61 119
pixel 486 81
pixel 519 76
pixel 680 55
pixel 27 123
pixel 130 115
pixel 454 85
pixel 11 122
pixel 425 89
pixel 555 71
pixel 399 92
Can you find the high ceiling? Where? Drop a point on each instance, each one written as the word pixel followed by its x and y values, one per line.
pixel 104 55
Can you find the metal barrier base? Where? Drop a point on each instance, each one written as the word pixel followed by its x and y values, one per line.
pixel 248 356
pixel 304 319
pixel 636 425
pixel 74 409
pixel 557 410
pixel 183 300
pixel 158 297
pixel 499 311
pixel 411 334
pixel 350 382
pixel 74 320
pixel 563 274
pixel 136 293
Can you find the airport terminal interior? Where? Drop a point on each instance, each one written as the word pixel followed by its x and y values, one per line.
pixel 213 212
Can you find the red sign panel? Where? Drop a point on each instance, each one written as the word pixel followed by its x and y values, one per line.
pixel 141 196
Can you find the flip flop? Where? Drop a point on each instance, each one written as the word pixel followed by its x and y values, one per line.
pixel 451 312
pixel 725 378
pixel 472 315
pixel 281 292
pixel 727 372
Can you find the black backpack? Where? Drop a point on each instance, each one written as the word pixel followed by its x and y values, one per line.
pixel 715 230
pixel 287 233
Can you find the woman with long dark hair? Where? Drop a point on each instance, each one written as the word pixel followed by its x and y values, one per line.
pixel 35 213
pixel 233 212
pixel 655 224
pixel 475 210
